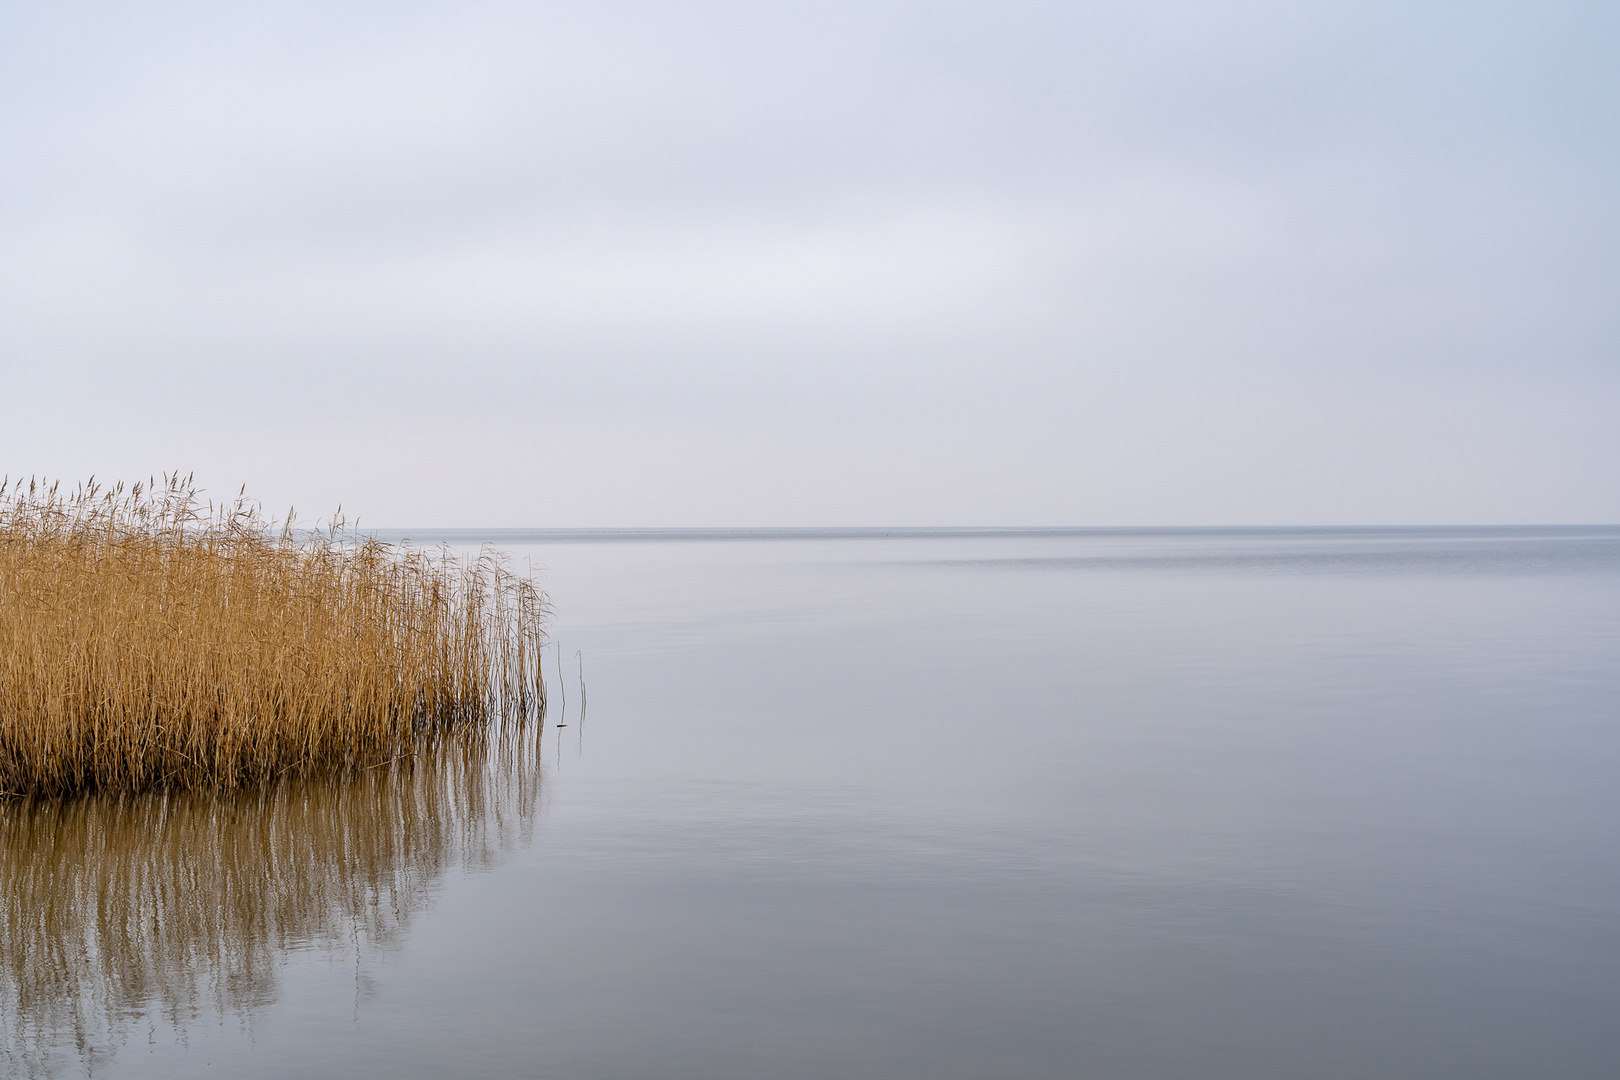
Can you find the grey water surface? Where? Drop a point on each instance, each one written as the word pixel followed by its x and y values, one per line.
pixel 1240 803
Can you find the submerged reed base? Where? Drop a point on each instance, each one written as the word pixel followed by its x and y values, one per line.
pixel 148 640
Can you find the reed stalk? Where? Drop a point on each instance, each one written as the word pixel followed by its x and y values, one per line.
pixel 151 640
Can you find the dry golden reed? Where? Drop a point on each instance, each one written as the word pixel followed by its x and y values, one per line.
pixel 150 640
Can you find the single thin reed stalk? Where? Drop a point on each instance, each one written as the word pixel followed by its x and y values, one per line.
pixel 149 640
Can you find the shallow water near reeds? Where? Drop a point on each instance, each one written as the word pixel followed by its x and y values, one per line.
pixel 1153 803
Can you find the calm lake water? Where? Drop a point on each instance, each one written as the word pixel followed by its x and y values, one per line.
pixel 1117 804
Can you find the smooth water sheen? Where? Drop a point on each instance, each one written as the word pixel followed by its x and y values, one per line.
pixel 954 803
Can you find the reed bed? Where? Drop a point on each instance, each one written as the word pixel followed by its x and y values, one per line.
pixel 151 640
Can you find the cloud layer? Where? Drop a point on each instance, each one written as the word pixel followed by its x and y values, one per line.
pixel 820 263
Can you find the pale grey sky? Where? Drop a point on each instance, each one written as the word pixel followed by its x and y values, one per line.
pixel 820 263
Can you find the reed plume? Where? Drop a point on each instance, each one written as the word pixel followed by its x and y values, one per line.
pixel 150 640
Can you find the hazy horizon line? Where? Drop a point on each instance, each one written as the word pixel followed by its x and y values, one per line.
pixel 833 532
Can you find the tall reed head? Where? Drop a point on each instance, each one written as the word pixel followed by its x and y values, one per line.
pixel 150 640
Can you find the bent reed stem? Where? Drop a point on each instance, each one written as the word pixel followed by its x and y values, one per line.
pixel 150 640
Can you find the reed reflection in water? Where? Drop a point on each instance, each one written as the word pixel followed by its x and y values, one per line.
pixel 168 908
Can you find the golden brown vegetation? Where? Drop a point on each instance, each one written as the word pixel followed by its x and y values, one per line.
pixel 182 906
pixel 148 640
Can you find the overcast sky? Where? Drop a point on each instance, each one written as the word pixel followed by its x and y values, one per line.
pixel 820 263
